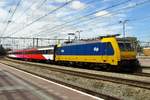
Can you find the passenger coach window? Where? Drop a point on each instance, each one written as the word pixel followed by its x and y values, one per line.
pixel 50 51
pixel 46 51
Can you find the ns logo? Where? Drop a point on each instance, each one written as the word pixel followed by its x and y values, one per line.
pixel 96 49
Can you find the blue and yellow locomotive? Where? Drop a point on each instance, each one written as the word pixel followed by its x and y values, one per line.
pixel 107 51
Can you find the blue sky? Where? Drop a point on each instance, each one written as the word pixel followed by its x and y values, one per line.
pixel 70 18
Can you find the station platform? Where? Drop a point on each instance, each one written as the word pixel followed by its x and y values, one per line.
pixel 19 85
pixel 144 60
pixel 143 57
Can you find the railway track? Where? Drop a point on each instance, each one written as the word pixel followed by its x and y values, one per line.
pixel 135 80
pixel 142 74
pixel 106 97
pixel 124 80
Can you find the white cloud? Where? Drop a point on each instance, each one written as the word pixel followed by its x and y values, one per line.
pixel 34 7
pixel 3 14
pixel 106 0
pixel 62 1
pixel 78 5
pixel 2 3
pixel 102 13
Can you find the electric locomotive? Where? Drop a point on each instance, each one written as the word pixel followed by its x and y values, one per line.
pixel 107 51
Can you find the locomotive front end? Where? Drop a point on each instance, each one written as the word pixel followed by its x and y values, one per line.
pixel 127 51
pixel 128 60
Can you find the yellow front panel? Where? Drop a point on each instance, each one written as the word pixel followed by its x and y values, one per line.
pixel 92 59
pixel 128 55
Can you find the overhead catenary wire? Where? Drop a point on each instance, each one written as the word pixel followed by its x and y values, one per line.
pixel 27 9
pixel 130 20
pixel 41 4
pixel 87 3
pixel 114 12
pixel 139 19
pixel 91 19
pixel 36 20
pixel 11 17
pixel 148 0
pixel 92 13
pixel 6 20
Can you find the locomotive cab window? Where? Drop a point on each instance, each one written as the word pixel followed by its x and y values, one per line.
pixel 126 47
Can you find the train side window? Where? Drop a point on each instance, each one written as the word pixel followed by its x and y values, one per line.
pixel 44 51
pixel 34 52
pixel 129 47
pixel 109 49
pixel 122 46
pixel 109 45
pixel 39 52
pixel 47 51
pixel 51 51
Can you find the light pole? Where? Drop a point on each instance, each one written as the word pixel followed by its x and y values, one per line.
pixel 69 34
pixel 79 33
pixel 123 28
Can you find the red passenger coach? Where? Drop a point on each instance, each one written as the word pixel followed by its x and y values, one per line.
pixel 38 54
